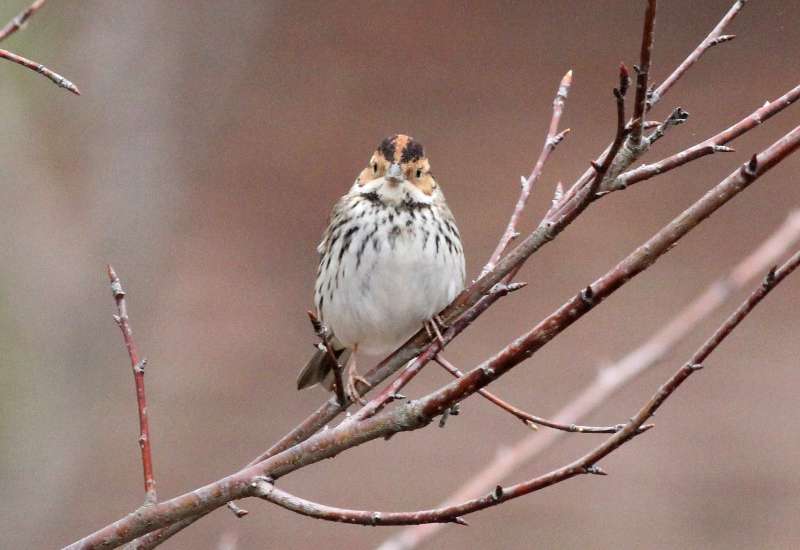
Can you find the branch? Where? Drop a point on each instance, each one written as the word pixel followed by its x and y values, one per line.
pixel 56 78
pixel 417 414
pixel 19 21
pixel 610 379
pixel 551 141
pixel 559 216
pixel 138 376
pixel 587 464
pixel 470 297
pixel 527 418
pixel 714 37
pixel 712 145
pixel 642 258
pixel 418 343
pixel 642 73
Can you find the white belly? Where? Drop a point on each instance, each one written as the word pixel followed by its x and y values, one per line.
pixel 392 283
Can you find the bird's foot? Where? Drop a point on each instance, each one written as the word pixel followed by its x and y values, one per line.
pixel 351 386
pixel 432 328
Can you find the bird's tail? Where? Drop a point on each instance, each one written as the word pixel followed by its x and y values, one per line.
pixel 319 367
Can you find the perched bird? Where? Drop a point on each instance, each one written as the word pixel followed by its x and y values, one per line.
pixel 390 260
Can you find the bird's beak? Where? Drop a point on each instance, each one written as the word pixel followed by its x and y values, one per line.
pixel 395 173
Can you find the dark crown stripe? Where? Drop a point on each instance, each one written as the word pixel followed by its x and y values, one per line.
pixel 413 151
pixel 386 148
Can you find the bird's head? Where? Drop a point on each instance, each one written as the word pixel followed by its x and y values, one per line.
pixel 399 161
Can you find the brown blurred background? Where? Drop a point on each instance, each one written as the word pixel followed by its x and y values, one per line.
pixel 202 160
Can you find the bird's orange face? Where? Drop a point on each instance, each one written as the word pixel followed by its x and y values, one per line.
pixel 400 158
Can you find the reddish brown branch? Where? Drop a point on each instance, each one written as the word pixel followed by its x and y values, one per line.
pixel 530 419
pixel 19 21
pixel 642 74
pixel 610 379
pixel 527 344
pixel 475 294
pixel 415 345
pixel 587 464
pixel 712 145
pixel 418 413
pixel 714 37
pixel 138 365
pixel 56 78
pixel 552 139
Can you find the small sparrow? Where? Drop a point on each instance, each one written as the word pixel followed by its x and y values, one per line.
pixel 390 260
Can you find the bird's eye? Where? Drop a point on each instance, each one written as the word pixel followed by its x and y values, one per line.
pixel 375 167
pixel 419 173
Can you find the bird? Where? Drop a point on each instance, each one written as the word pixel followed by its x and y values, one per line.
pixel 390 259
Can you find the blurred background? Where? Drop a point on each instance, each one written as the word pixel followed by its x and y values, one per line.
pixel 202 160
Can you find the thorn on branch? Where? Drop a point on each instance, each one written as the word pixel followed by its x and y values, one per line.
pixel 769 280
pixel 452 411
pixel 723 149
pixel 720 39
pixel 558 138
pixel 237 511
pixel 750 168
pixel 594 470
pixel 139 367
pixel 461 521
pixel 587 296
pixel 695 366
pixel 498 493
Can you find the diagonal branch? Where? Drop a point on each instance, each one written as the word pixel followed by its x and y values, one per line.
pixel 19 21
pixel 612 378
pixel 642 74
pixel 477 294
pixel 554 137
pixel 478 291
pixel 138 376
pixel 54 77
pixel 587 464
pixel 528 419
pixel 419 413
pixel 715 37
pixel 714 144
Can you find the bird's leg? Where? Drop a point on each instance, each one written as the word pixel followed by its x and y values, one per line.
pixel 432 328
pixel 352 378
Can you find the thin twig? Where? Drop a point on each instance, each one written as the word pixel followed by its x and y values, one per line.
pixel 138 364
pixel 612 378
pixel 19 21
pixel 324 335
pixel 56 78
pixel 642 74
pixel 552 139
pixel 528 419
pixel 714 37
pixel 714 144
